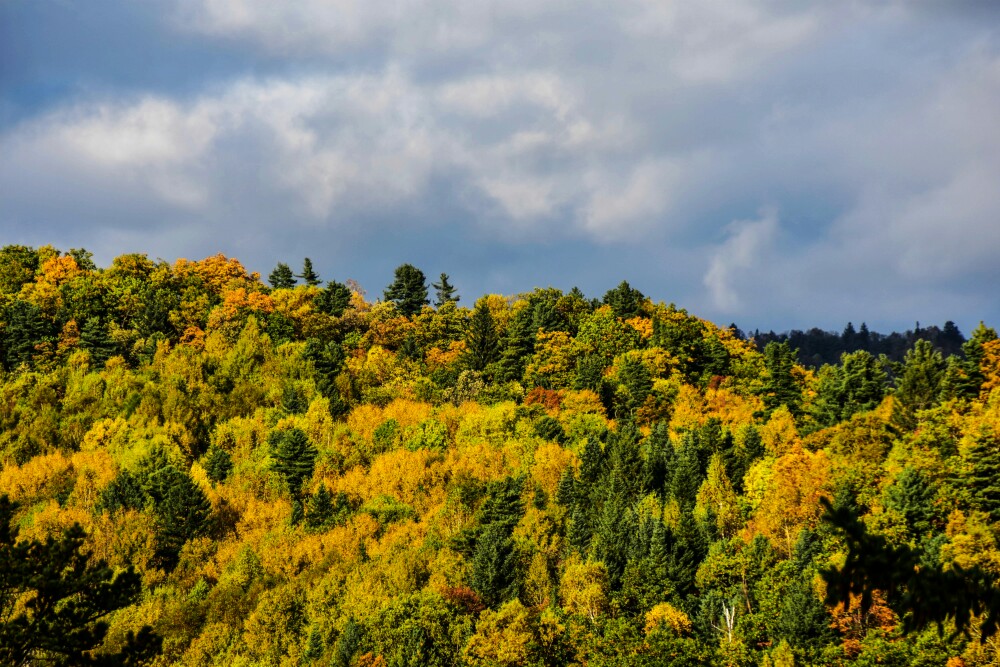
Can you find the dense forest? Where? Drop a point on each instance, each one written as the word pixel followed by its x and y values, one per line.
pixel 201 467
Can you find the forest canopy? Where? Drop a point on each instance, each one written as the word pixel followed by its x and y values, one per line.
pixel 288 472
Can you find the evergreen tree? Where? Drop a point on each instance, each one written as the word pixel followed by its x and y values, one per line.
pixel 95 339
pixel 687 552
pixel 409 290
pixel 625 301
pixel 217 464
pixel 659 459
pixel 686 478
pixel 638 383
pixel 481 339
pixel 589 372
pixel 347 644
pixel 592 462
pixel 445 292
pixel 26 329
pixel 546 317
pixel 919 386
pixel 124 492
pixel 182 511
pixel 984 480
pixel 282 277
pixel 579 531
pixel 566 490
pixel 804 622
pixel 54 599
pixel 494 568
pixel 518 344
pixel 614 530
pixel 309 275
pixel 334 299
pixel 913 497
pixel 780 387
pixel 294 456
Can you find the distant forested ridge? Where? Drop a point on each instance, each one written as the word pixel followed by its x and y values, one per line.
pixel 201 467
pixel 817 347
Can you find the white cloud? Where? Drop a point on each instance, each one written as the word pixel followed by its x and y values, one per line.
pixel 742 254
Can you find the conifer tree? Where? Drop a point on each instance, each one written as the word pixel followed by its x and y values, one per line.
pixel 638 383
pixel 445 292
pixel 409 290
pixel 780 387
pixel 95 339
pixel 913 497
pixel 518 344
pixel 218 464
pixel 481 339
pixel 182 511
pixel 566 490
pixel 282 277
pixel 659 459
pixel 334 299
pixel 625 301
pixel 984 480
pixel 294 456
pixel 26 328
pixel 494 568
pixel 309 275
pixel 320 511
pixel 54 600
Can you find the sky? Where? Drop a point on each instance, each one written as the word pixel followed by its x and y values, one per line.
pixel 775 164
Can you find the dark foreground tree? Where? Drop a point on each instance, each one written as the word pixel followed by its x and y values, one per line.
pixel 53 600
pixel 309 275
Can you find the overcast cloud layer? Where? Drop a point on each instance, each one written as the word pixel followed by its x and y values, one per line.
pixel 780 164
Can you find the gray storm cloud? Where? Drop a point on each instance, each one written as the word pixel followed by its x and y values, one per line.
pixel 635 139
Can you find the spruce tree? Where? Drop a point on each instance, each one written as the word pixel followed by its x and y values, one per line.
pixel 309 275
pixel 54 600
pixel 494 568
pixel 445 292
pixel 984 480
pixel 518 344
pixel 334 299
pixel 481 339
pixel 625 301
pixel 217 464
pixel 638 383
pixel 409 290
pixel 282 277
pixel 294 456
pixel 780 387
pixel 182 512
pixel 95 339
pixel 319 513
pixel 26 329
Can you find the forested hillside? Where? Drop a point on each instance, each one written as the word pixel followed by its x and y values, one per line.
pixel 205 468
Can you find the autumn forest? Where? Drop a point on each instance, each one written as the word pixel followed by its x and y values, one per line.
pixel 203 466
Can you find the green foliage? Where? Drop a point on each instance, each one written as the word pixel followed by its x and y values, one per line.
pixel 780 387
pixel 309 275
pixel 334 299
pixel 533 482
pixel 282 277
pixel 409 290
pixel 54 601
pixel 445 291
pixel 481 339
pixel 217 464
pixel 294 456
pixel 625 301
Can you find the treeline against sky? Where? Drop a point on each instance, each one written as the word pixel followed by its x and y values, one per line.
pixel 201 467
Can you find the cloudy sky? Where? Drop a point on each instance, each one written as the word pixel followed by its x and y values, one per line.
pixel 778 164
